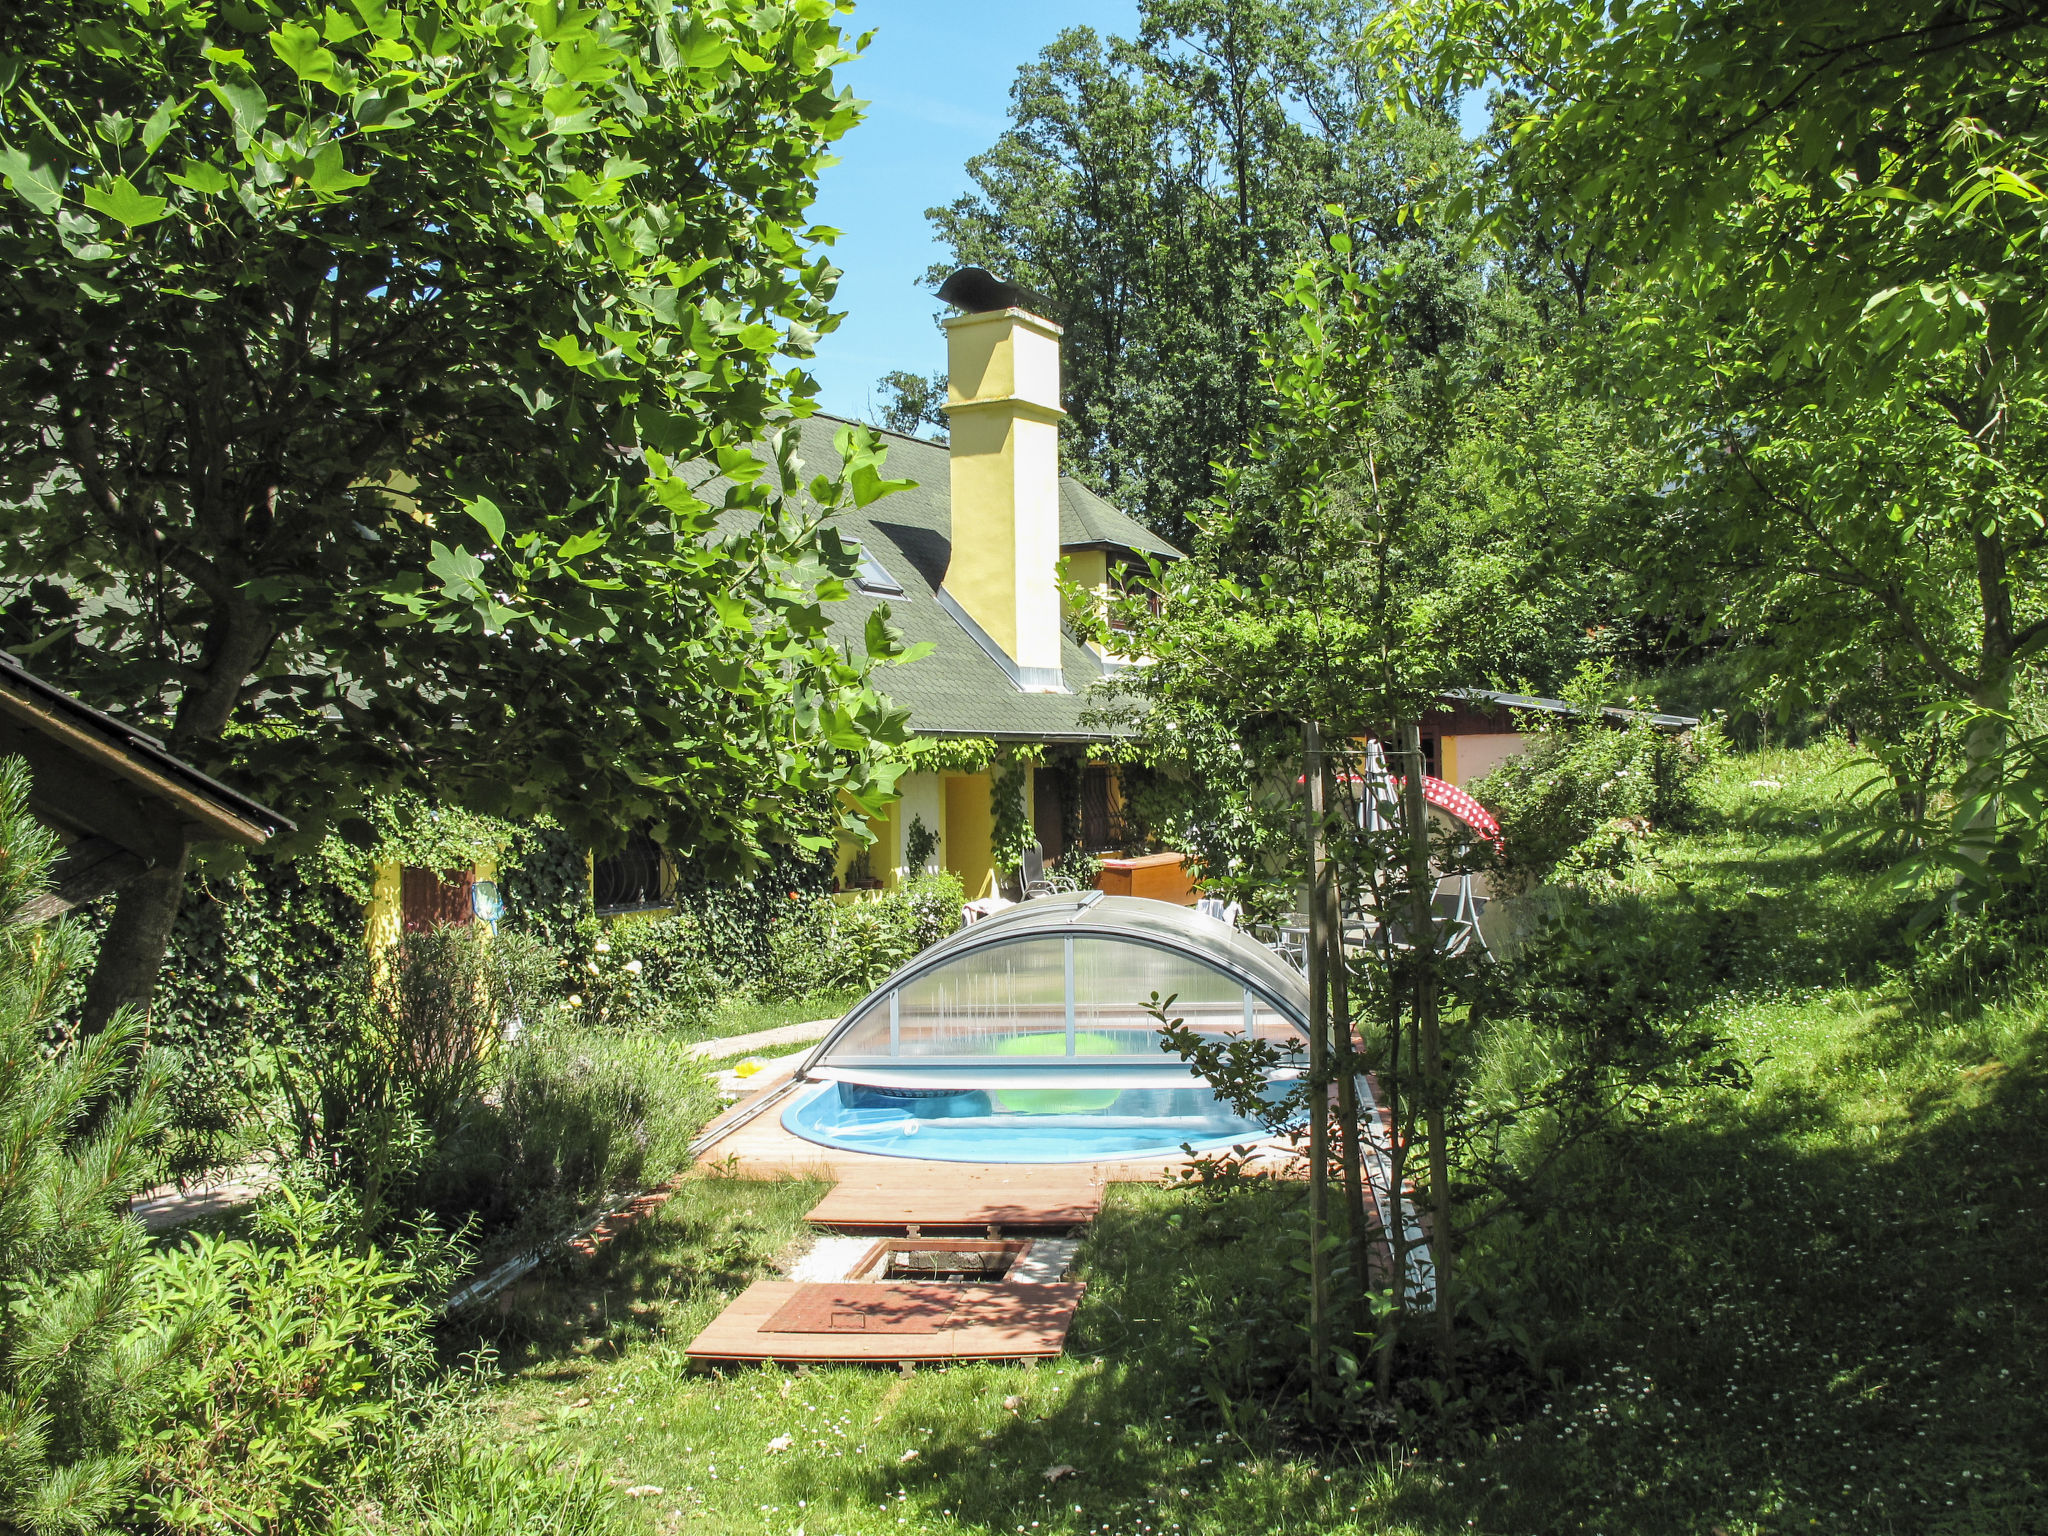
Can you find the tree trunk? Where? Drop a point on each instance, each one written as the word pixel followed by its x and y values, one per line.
pixel 1428 1033
pixel 1349 1150
pixel 1318 1074
pixel 132 950
pixel 1985 739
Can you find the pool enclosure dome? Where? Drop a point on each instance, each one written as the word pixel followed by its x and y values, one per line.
pixel 1028 1036
pixel 1056 991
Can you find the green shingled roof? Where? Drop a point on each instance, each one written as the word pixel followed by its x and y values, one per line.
pixel 959 690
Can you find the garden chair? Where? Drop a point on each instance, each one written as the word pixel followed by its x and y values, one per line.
pixel 1032 873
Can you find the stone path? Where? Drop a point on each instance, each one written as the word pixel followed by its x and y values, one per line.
pixel 167 1206
pixel 762 1040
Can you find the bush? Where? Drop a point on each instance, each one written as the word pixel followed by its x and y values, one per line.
pixel 824 946
pixel 412 1101
pixel 307 1397
pixel 572 1115
pixel 1586 799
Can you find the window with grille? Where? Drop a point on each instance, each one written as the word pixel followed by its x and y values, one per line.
pixel 429 900
pixel 629 880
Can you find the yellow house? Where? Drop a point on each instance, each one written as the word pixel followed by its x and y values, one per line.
pixel 968 560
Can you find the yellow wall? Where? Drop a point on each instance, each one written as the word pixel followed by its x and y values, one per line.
pixel 1088 568
pixel 385 920
pixel 1447 759
pixel 970 828
pixel 883 853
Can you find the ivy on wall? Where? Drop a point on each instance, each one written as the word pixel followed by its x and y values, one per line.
pixel 949 754
pixel 1012 832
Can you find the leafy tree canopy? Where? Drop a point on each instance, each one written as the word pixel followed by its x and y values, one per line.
pixel 1160 190
pixel 1813 240
pixel 360 367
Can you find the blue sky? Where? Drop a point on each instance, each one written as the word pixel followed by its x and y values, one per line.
pixel 937 80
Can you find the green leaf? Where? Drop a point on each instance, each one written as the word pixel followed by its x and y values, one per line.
pixel 331 175
pixel 486 512
pixel 201 177
pixel 161 121
pixel 298 48
pixel 36 181
pixel 247 106
pixel 582 544
pixel 459 570
pixel 121 200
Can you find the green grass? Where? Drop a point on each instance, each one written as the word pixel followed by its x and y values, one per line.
pixel 743 1016
pixel 1818 1304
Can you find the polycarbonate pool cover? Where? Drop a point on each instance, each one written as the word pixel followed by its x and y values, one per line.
pixel 1055 994
pixel 1030 1037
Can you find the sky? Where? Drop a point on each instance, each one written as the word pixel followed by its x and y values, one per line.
pixel 937 80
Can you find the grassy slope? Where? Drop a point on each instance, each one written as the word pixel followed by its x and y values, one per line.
pixel 1815 1305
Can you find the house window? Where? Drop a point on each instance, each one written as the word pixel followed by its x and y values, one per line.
pixel 427 900
pixel 874 579
pixel 1100 825
pixel 629 880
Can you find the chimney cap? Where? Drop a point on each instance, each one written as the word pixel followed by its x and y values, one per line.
pixel 979 291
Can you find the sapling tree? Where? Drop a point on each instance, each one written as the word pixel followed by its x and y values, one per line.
pixel 1306 609
pixel 74 1357
pixel 364 374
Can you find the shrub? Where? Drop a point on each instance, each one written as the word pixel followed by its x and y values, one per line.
pixel 397 1070
pixel 824 946
pixel 1585 798
pixel 278 1400
pixel 73 1123
pixel 308 1397
pixel 572 1115
pixel 412 1102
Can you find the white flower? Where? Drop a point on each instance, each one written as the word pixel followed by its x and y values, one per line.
pixel 632 967
pixel 908 1456
pixel 575 1002
pixel 604 947
pixel 781 1442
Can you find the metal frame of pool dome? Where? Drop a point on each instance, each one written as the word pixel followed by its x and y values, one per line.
pixel 1177 930
pixel 1180 931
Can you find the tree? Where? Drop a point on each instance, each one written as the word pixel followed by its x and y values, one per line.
pixel 1311 613
pixel 1823 225
pixel 296 295
pixel 914 404
pixel 1160 190
pixel 71 1358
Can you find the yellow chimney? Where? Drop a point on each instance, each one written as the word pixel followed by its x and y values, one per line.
pixel 1003 415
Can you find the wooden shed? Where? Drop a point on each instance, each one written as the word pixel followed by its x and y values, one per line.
pixel 120 801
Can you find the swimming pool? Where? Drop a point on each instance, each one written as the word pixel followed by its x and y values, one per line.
pixel 1016 1125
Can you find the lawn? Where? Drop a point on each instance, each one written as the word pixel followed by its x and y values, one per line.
pixel 1815 1304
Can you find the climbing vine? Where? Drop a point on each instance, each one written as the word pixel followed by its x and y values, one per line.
pixel 949 754
pixel 1012 832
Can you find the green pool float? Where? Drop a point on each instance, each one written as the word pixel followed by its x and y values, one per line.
pixel 1055 1101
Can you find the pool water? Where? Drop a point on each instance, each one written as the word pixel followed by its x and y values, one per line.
pixel 1011 1126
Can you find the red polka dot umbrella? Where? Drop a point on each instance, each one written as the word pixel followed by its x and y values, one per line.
pixel 1453 801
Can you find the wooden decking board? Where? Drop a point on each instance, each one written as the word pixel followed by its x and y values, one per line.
pixel 991 1322
pixel 960 1195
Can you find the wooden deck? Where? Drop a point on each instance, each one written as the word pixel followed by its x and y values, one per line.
pixel 889 1322
pixel 1002 1196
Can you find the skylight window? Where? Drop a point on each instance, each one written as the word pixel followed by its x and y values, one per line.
pixel 874 579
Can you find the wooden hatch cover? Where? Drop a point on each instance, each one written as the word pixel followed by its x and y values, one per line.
pixel 892 1321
